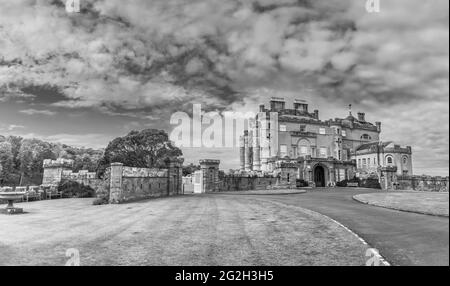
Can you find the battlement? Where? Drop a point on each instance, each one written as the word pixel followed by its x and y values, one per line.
pixel 81 175
pixel 209 162
pixel 58 163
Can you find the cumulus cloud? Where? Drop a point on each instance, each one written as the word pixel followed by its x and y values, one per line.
pixel 132 57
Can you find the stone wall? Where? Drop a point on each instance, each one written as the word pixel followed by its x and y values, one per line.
pixel 56 171
pixel 422 183
pixel 246 183
pixel 132 184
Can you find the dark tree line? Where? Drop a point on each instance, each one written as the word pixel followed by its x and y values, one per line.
pixel 21 159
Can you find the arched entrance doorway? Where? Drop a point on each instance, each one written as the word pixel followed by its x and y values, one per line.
pixel 319 176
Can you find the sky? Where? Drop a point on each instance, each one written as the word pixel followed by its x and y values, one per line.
pixel 85 78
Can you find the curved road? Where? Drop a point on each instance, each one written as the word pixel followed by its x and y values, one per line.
pixel 402 238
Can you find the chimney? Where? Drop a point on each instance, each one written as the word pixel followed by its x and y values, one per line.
pixel 378 124
pixel 316 114
pixel 262 108
pixel 277 104
pixel 301 105
pixel 362 116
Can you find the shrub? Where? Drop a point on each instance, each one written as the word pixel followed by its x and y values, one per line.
pixel 370 183
pixel 72 189
pixel 100 201
pixel 301 183
pixel 344 183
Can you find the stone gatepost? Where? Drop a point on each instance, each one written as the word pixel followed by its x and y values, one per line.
pixel 174 176
pixel 115 186
pixel 210 175
pixel 387 177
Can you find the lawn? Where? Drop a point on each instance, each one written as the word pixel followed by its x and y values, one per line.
pixel 185 230
pixel 419 202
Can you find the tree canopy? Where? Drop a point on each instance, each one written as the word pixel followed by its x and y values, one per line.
pixel 149 148
pixel 21 159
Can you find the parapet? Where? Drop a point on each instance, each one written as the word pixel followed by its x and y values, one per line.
pixel 60 162
pixel 209 162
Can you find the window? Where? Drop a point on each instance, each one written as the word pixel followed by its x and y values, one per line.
pixel 302 128
pixel 282 128
pixel 323 152
pixel 366 137
pixel 389 160
pixel 359 163
pixel 405 160
pixel 344 133
pixel 303 150
pixel 364 162
pixel 368 161
pixel 322 131
pixel 339 155
pixel 283 150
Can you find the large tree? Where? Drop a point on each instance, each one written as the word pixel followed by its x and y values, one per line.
pixel 6 162
pixel 146 149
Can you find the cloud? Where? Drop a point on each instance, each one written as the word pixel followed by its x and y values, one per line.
pixel 135 58
pixel 147 54
pixel 10 127
pixel 37 112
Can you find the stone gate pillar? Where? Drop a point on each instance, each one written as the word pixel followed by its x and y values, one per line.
pixel 115 185
pixel 210 175
pixel 174 176
pixel 387 177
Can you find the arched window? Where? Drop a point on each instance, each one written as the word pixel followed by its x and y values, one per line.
pixel 405 160
pixel 366 137
pixel 303 147
pixel 389 160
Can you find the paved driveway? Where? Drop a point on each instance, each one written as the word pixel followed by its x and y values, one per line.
pixel 402 238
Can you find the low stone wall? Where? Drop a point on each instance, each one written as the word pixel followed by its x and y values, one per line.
pixel 422 183
pixel 246 183
pixel 133 184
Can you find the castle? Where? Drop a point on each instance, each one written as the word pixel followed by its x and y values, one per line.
pixel 297 144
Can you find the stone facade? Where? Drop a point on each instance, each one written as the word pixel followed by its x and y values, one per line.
pixel 297 144
pixel 371 156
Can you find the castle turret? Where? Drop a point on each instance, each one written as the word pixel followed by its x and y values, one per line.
pixel 242 153
pixel 256 149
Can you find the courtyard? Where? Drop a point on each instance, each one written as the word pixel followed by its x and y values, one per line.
pixel 223 229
